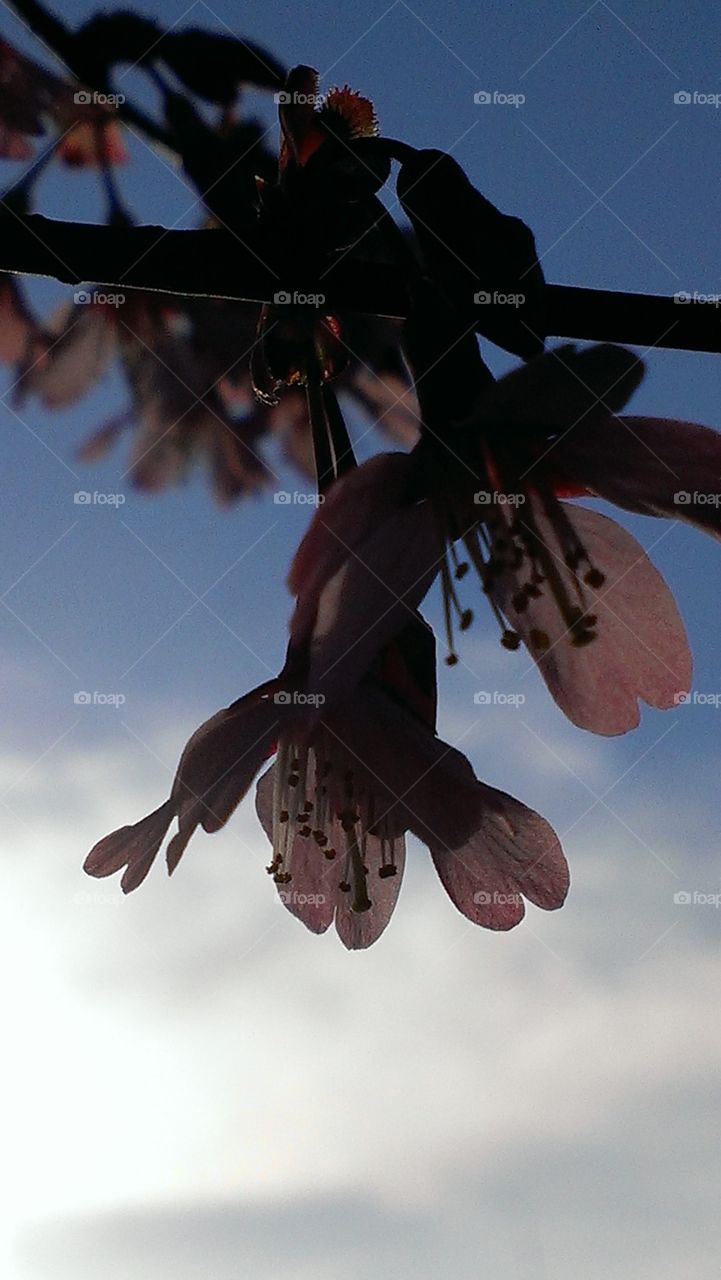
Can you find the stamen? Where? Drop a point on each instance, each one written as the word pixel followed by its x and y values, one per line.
pixel 486 569
pixel 460 567
pixel 451 604
pixel 447 590
pixel 359 874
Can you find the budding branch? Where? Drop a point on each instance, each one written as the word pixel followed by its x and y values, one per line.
pixel 219 264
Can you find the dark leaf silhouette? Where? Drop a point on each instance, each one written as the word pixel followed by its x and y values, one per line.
pixel 481 256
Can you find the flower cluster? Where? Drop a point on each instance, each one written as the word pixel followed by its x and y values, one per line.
pixel 484 499
pixel 203 374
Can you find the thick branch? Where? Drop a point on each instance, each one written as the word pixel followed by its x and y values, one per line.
pixel 217 264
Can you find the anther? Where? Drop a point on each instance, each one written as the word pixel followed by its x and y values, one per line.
pixel 511 640
pixel 540 639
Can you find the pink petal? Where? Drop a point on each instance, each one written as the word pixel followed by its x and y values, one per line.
pixel 313 895
pixel 489 849
pixel 355 506
pixel 220 761
pixel 133 847
pixel 215 771
pixel 513 854
pixel 360 929
pixel 370 599
pixel 643 464
pixel 640 650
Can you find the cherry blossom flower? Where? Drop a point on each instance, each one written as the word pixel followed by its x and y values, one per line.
pixel 337 804
pixel 178 411
pixel 570 583
pixel 356 766
pixel 186 362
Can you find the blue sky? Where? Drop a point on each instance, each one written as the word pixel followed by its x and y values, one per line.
pixel 204 1087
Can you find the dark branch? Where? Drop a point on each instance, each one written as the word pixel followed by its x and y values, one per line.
pixel 217 264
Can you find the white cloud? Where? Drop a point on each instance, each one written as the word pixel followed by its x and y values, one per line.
pixel 193 1044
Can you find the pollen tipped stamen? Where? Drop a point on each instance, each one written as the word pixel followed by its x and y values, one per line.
pixel 359 877
pixel 460 567
pixel 545 569
pixel 322 798
pixel 454 614
pixel 478 544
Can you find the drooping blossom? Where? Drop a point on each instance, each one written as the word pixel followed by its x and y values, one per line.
pixel 574 586
pixel 357 763
pixel 186 363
